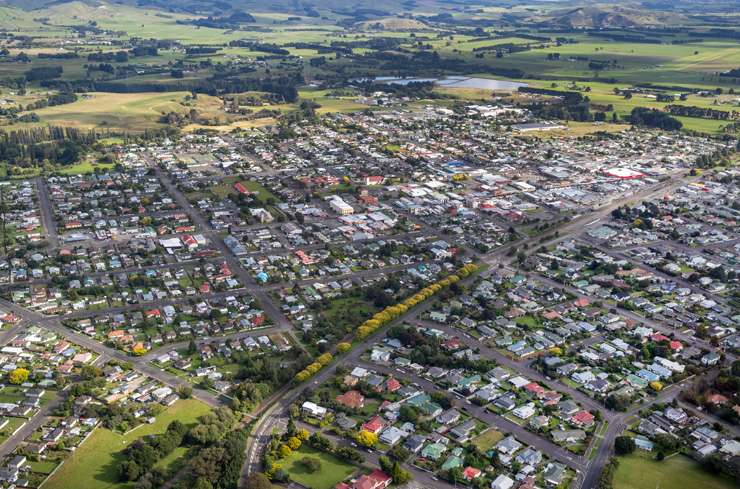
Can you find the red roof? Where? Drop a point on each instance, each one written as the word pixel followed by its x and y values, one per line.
pixel 374 425
pixel 241 188
pixel 675 345
pixel 535 388
pixel 352 399
pixel 583 418
pixel 376 480
pixel 393 385
pixel 471 473
pixel 657 337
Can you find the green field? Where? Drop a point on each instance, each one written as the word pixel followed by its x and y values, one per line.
pixel 94 464
pixel 486 440
pixel 332 469
pixel 641 471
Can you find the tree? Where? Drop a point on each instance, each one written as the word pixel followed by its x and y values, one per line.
pixel 303 434
pixel 285 451
pixel 203 483
pixel 399 475
pixel 367 438
pixel 624 445
pixel 258 481
pixel 294 443
pixel 18 376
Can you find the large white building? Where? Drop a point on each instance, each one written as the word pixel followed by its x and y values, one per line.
pixel 339 206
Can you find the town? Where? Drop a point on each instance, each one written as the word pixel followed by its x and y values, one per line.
pixel 425 296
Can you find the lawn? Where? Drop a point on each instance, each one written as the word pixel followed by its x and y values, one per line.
pixel 332 469
pixel 640 471
pixel 84 167
pixel 94 464
pixel 486 440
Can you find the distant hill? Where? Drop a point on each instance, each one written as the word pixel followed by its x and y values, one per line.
pixel 597 17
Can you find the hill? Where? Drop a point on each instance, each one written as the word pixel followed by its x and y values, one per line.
pixel 599 18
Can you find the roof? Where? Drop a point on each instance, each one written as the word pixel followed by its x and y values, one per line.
pixel 352 399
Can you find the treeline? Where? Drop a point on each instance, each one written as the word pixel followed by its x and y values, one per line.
pixel 569 97
pixel 574 106
pixel 702 112
pixel 29 147
pixel 199 50
pixel 260 47
pixel 625 37
pixel 52 100
pixel 70 55
pixel 123 55
pixel 285 88
pixel 230 22
pixel 642 116
pixel 40 73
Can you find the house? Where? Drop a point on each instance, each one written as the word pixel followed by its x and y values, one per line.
pixel 351 399
pixel 311 409
pixel 470 473
pixel 502 482
pixel 568 436
pixel 508 445
pixel 525 411
pixel 345 423
pixel 554 474
pixel 448 417
pixel 414 443
pixel 392 435
pixel 433 451
pixel 375 480
pixel 462 432
pixel 374 425
pixel 582 418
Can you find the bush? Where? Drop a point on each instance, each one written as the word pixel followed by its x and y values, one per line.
pixel 311 465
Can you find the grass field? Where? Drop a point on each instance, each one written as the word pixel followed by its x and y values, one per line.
pixel 332 469
pixel 93 465
pixel 486 440
pixel 640 471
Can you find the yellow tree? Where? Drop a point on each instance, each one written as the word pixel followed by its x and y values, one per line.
pixel 367 438
pixel 18 376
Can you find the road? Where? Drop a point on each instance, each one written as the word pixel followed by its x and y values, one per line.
pixel 502 255
pixel 139 364
pixel 547 447
pixel 47 213
pixel 34 423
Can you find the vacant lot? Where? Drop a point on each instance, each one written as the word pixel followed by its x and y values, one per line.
pixel 94 464
pixel 486 440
